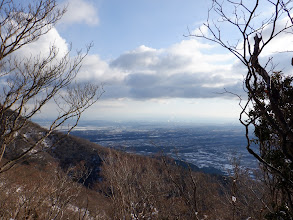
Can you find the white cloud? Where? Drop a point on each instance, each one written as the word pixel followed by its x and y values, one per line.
pixel 186 56
pixel 148 76
pixel 140 59
pixel 144 80
pixel 93 68
pixel 188 69
pixel 201 31
pixel 184 70
pixel 80 11
pixel 42 45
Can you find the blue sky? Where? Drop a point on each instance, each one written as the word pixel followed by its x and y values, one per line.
pixel 150 70
pixel 120 26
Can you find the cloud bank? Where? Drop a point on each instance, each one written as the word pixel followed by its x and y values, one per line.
pixel 189 69
pixel 184 70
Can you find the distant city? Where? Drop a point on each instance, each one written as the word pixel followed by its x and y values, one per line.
pixel 206 146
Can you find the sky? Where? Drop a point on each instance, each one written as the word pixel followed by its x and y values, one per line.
pixel 149 68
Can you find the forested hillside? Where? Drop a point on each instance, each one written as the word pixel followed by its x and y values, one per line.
pixel 68 177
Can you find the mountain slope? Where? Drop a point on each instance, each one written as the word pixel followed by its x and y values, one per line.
pixel 66 177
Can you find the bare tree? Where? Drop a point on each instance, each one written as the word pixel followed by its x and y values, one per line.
pixel 268 108
pixel 29 83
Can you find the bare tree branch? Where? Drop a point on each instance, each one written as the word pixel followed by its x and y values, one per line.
pixel 268 107
pixel 30 83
